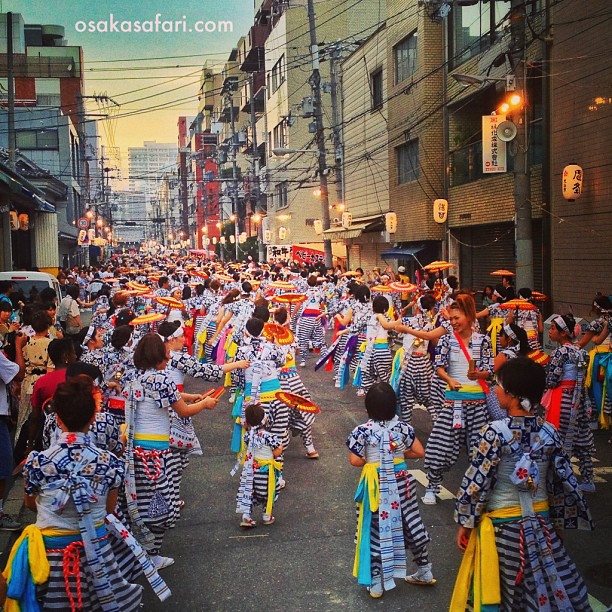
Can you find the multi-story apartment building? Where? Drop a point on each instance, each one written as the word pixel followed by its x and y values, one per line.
pixel 48 85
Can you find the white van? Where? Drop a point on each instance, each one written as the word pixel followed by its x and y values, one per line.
pixel 29 284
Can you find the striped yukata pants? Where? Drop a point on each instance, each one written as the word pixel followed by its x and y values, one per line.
pixel 299 421
pixel 415 386
pixel 376 366
pixel 309 329
pixel 445 441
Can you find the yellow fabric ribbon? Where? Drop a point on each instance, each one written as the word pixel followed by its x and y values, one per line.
pixel 230 353
pixel 481 554
pixel 37 557
pixel 202 340
pixel 495 328
pixel 603 418
pixel 273 465
pixel 369 473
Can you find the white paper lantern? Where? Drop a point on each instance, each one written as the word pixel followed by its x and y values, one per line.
pixel 571 182
pixel 391 222
pixel 282 233
pixel 14 220
pixel 222 240
pixel 214 240
pixel 267 236
pixel 440 210
pixel 206 241
pixel 232 239
pixel 242 238
pixel 347 219
pixel 318 227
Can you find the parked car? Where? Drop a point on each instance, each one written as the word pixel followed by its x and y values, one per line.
pixel 27 285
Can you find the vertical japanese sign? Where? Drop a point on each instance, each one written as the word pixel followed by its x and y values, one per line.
pixel 493 149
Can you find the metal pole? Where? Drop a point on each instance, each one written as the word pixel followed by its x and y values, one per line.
pixel 234 175
pixel 7 250
pixel 258 208
pixel 522 186
pixel 315 82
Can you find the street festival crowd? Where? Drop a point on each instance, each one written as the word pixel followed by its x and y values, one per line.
pixel 103 426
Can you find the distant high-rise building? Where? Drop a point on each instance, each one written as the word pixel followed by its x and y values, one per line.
pixel 148 164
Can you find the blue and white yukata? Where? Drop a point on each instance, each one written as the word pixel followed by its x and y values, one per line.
pixel 376 362
pixel 388 518
pixel 309 328
pixel 261 473
pixel 522 482
pixel 569 407
pixel 71 481
pixel 465 411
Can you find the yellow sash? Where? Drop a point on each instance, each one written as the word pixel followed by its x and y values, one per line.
pixel 369 473
pixel 272 464
pixel 481 553
pixel 495 328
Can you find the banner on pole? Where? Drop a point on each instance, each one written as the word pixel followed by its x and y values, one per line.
pixel 493 149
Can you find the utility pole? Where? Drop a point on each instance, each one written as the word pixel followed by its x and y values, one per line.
pixel 7 251
pixel 336 122
pixel 522 184
pixel 257 195
pixel 234 145
pixel 315 82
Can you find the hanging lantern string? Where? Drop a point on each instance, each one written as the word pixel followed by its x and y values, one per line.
pixel 574 224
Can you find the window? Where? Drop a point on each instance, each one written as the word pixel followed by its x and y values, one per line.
pixel 376 88
pixel 407 161
pixel 279 137
pixel 36 139
pixel 276 76
pixel 405 56
pixel 475 28
pixel 281 192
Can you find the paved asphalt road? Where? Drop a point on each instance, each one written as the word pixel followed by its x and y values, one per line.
pixel 304 561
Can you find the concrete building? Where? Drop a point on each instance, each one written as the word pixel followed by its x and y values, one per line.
pixel 48 80
pixel 147 165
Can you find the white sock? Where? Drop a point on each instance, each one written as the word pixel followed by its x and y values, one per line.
pixel 310 448
pixel 266 517
pixel 246 517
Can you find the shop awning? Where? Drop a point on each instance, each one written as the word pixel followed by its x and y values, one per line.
pixel 371 223
pixel 21 186
pixel 402 252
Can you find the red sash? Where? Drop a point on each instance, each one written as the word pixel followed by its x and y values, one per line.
pixel 481 382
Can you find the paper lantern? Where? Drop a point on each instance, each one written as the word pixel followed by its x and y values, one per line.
pixel 214 240
pixel 318 227
pixel 232 239
pixel 267 236
pixel 391 222
pixel 242 238
pixel 440 210
pixel 14 220
pixel 222 240
pixel 206 241
pixel 571 182
pixel 282 233
pixel 347 219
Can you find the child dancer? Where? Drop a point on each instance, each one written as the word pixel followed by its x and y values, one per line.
pixel 388 519
pixel 261 472
pixel 291 382
pixel 376 361
pixel 310 326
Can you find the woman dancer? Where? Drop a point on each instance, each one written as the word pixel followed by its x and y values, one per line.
pixel 515 497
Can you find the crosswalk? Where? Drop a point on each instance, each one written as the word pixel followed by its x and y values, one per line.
pixel 598 472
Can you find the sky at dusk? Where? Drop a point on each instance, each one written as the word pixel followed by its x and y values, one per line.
pixel 141 70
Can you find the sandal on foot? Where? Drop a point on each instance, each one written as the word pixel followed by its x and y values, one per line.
pixel 248 523
pixel 312 455
pixel 269 521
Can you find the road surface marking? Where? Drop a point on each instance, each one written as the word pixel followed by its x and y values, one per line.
pixel 421 478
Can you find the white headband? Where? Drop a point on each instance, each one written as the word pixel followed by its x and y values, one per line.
pixel 560 323
pixel 508 331
pixel 91 330
pixel 177 333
